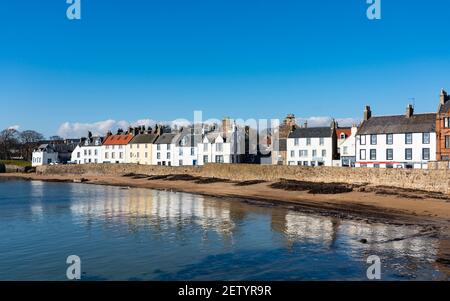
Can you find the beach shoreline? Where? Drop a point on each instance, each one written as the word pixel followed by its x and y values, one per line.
pixel 374 204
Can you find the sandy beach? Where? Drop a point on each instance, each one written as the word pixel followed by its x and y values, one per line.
pixel 378 204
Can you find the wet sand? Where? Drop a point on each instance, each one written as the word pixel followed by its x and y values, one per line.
pixel 374 204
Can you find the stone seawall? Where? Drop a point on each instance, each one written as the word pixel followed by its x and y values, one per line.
pixel 429 180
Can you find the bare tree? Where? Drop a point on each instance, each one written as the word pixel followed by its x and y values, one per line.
pixel 29 140
pixel 9 139
pixel 56 138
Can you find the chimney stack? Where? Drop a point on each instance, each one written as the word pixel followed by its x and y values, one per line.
pixel 367 113
pixel 444 97
pixel 409 111
pixel 306 124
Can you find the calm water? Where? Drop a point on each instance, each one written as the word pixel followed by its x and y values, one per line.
pixel 140 234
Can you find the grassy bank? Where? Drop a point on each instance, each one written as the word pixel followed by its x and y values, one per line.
pixel 20 163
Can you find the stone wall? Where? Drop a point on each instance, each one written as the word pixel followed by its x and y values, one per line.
pixel 430 180
pixel 11 168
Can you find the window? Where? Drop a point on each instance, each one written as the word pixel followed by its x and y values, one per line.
pixel 113 155
pixel 146 156
pixel 447 141
pixel 180 152
pixel 131 155
pixel 321 141
pixel 314 153
pixel 205 159
pixel 168 147
pixel 324 153
pixel 96 152
pixel 308 141
pixel 158 155
pixel 408 154
pixel 180 163
pixel 219 159
pixel 292 154
pixel 305 163
pixel 90 152
pixel 389 139
pixel 389 154
pixel 219 147
pixel 121 155
pixel 363 140
pixel 376 166
pixel 158 147
pixel 345 150
pixel 342 136
pixel 425 138
pixel 362 154
pixel 106 155
pixel 373 139
pixel 446 122
pixel 296 141
pixel 205 147
pixel 85 152
pixel 78 155
pixel 137 155
pixel 408 138
pixel 425 154
pixel 192 151
pixel 373 154
pixel 168 155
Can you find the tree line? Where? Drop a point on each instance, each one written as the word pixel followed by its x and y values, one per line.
pixel 16 144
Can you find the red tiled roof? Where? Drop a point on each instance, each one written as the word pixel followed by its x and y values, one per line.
pixel 346 131
pixel 118 140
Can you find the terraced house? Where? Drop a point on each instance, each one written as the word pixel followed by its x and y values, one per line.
pixel 397 141
pixel 88 151
pixel 114 148
pixel 315 146
pixel 140 149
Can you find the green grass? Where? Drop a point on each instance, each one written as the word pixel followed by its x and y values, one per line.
pixel 20 163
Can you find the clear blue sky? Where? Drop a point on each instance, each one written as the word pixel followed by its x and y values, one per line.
pixel 135 59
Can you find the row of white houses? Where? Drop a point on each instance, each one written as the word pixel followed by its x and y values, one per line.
pixel 397 141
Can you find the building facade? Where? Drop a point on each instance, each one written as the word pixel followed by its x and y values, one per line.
pixel 346 139
pixel 399 141
pixel 443 128
pixel 316 146
pixel 88 151
pixel 114 148
pixel 43 155
pixel 186 148
pixel 140 149
pixel 164 149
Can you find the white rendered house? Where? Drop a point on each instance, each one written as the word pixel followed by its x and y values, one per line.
pixel 45 154
pixel 114 148
pixel 186 149
pixel 163 151
pixel 314 146
pixel 88 151
pixel 399 141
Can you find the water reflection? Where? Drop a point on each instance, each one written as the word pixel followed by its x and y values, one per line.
pixel 146 234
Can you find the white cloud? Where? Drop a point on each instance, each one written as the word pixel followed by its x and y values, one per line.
pixel 78 129
pixel 315 121
pixel 14 127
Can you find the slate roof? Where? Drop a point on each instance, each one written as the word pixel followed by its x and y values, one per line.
pixel 397 124
pixel 315 132
pixel 444 108
pixel 144 139
pixel 167 138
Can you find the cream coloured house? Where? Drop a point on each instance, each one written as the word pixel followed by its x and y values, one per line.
pixel 140 149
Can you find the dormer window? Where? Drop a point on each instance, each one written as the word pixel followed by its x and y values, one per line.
pixel 342 136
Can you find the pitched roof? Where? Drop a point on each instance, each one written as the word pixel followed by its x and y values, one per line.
pixel 347 131
pixel 118 139
pixel 444 108
pixel 418 123
pixel 167 138
pixel 144 139
pixel 315 132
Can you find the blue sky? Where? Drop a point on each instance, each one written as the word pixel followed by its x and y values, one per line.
pixel 161 60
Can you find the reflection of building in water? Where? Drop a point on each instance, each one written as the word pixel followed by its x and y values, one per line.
pixel 158 208
pixel 307 228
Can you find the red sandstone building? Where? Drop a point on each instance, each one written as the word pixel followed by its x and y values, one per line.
pixel 443 128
